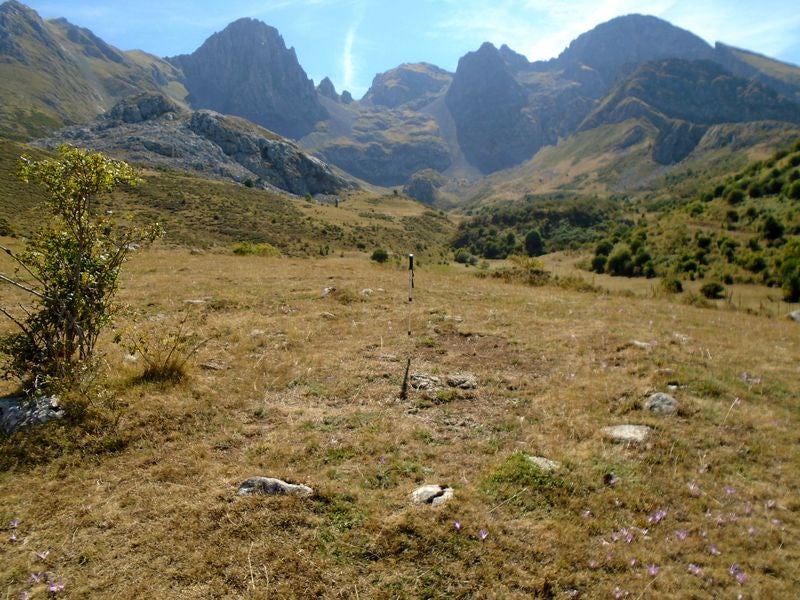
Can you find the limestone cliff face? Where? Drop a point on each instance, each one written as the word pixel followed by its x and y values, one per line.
pixel 495 129
pixel 418 83
pixel 246 70
pixel 154 130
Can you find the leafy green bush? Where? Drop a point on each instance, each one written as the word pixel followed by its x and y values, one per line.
pixel 379 255
pixel 70 268
pixel 712 290
pixel 258 249
pixel 620 261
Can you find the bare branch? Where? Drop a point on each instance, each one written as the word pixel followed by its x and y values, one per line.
pixel 22 287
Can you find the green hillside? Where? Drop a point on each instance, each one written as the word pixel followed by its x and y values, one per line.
pixel 205 213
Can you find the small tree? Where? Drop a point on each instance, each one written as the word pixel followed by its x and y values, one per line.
pixel 70 268
pixel 534 246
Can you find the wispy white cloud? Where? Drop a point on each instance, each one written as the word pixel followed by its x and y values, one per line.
pixel 349 60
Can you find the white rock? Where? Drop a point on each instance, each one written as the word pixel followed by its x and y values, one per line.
pixel 431 494
pixel 545 464
pixel 795 315
pixel 627 434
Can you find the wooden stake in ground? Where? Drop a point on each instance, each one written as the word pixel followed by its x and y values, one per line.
pixel 404 387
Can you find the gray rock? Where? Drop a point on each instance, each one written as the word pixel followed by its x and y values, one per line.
pixel 421 381
pixel 795 315
pixel 269 486
pixel 464 381
pixel 327 291
pixel 19 412
pixel 545 464
pixel 627 434
pixel 434 495
pixel 661 403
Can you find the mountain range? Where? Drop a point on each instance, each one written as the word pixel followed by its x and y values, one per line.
pixel 661 92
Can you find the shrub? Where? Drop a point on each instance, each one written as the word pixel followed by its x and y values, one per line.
pixel 379 255
pixel 712 290
pixel 671 285
pixel 71 268
pixel 533 243
pixel 772 229
pixel 734 196
pixel 620 261
pixel 259 249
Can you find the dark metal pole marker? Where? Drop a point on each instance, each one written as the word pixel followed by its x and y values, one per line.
pixel 410 288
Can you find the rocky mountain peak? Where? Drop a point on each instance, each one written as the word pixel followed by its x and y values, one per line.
pixel 247 70
pixel 617 46
pixel 515 60
pixel 488 106
pixel 327 89
pixel 406 83
pixel 19 23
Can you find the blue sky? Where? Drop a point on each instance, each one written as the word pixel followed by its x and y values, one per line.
pixel 352 40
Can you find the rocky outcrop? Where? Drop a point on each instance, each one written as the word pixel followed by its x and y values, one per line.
pixel 494 127
pixel 418 83
pixel 246 70
pixel 388 162
pixel 683 98
pixel 423 186
pixel 152 129
pixel 327 89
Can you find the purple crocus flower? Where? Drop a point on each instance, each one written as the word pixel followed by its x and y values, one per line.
pixel 483 534
pixel 43 554
pixel 653 570
pixel 657 516
pixel 681 534
pixel 457 525
pixel 55 586
pixel 13 524
pixel 712 549
pixel 694 489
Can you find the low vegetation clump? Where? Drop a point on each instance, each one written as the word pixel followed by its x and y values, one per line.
pixel 255 248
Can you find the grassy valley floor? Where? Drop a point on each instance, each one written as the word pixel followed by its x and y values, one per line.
pixel 138 498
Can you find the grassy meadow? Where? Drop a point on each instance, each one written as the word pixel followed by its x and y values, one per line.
pixel 133 495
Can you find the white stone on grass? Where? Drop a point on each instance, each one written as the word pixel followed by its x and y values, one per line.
pixel 545 464
pixel 627 434
pixel 434 495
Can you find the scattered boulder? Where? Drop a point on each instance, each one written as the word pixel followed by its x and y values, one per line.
pixel 432 494
pixel 421 381
pixel 627 434
pixel 661 403
pixel 545 464
pixel 327 291
pixel 269 486
pixel 464 381
pixel 19 412
pixel 328 316
pixel 795 315
pixel 641 345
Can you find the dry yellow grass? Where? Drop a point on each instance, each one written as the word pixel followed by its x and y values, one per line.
pixel 140 501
